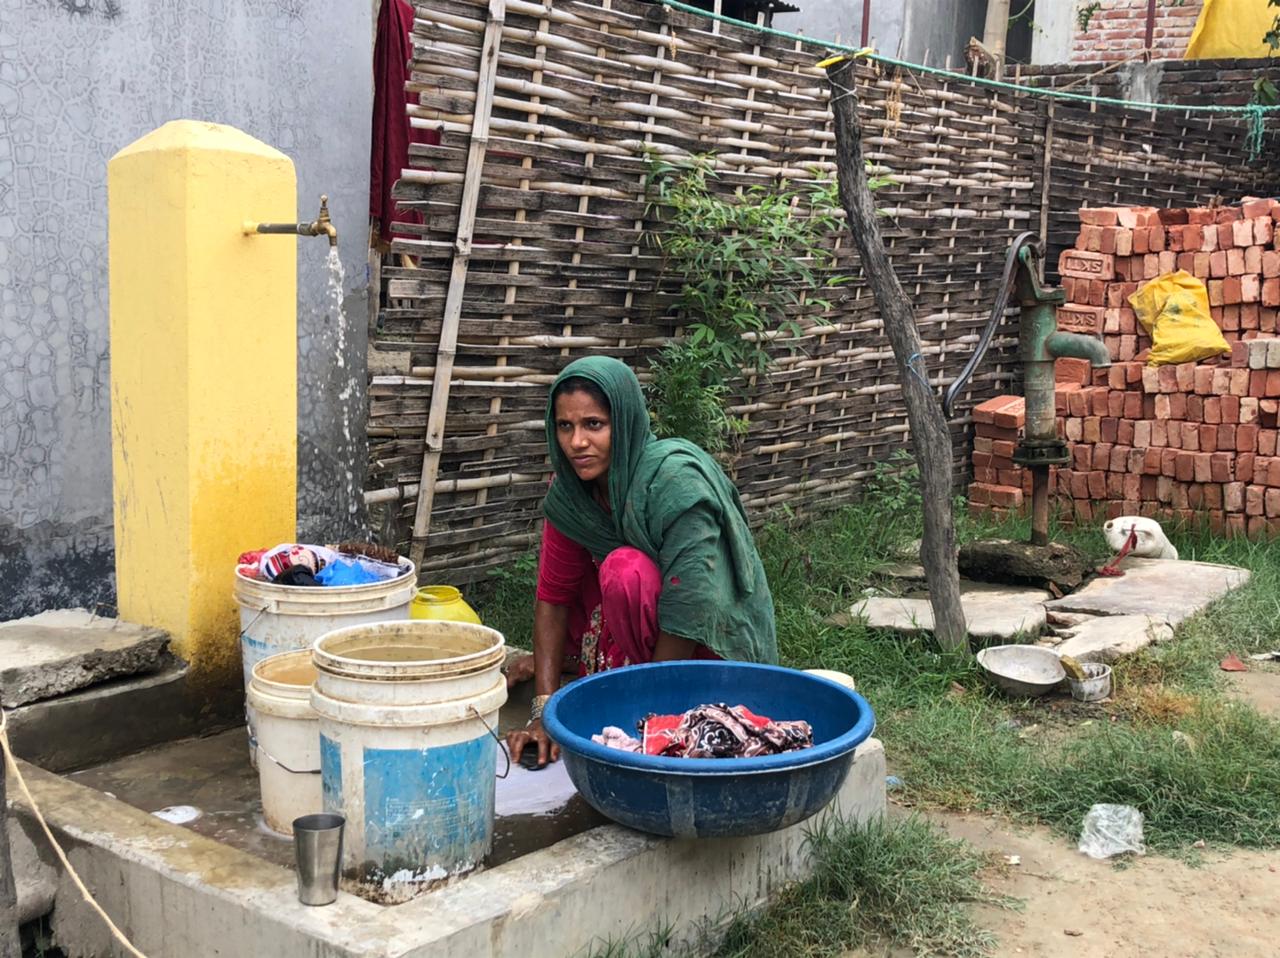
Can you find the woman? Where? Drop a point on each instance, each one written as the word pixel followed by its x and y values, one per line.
pixel 646 553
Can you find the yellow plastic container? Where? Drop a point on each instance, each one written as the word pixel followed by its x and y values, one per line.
pixel 442 603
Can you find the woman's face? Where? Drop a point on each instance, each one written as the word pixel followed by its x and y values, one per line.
pixel 585 434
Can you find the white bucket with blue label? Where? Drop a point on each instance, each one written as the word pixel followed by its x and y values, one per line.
pixel 408 715
pixel 281 618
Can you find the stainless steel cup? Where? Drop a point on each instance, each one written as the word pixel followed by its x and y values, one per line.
pixel 317 843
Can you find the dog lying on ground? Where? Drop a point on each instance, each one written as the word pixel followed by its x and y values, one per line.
pixel 1151 542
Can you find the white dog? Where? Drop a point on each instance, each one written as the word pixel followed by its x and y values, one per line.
pixel 1151 543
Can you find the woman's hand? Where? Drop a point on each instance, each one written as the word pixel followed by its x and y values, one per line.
pixel 520 670
pixel 547 749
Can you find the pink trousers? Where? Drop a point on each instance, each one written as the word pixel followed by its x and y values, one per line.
pixel 629 587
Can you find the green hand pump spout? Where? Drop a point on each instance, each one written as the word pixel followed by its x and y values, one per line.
pixel 1039 344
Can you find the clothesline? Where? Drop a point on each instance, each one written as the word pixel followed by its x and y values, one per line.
pixel 1249 109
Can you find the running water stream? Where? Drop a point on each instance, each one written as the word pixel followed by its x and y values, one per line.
pixel 345 382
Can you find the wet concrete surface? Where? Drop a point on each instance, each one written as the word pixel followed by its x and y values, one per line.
pixel 213 774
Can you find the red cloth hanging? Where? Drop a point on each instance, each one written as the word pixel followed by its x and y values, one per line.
pixel 392 133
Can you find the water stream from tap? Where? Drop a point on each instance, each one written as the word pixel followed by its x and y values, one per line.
pixel 333 301
pixel 335 307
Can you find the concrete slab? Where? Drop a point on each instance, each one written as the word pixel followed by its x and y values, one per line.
pixel 175 892
pixel 53 653
pixel 1106 638
pixel 124 716
pixel 1167 589
pixel 992 611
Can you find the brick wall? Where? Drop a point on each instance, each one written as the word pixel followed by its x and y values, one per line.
pixel 1193 82
pixel 1186 441
pixel 1118 28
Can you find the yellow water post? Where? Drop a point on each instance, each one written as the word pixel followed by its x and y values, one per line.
pixel 203 376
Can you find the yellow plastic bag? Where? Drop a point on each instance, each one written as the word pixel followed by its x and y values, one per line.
pixel 1174 310
pixel 1228 29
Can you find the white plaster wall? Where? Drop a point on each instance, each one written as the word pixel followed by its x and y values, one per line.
pixel 916 30
pixel 79 79
pixel 1051 39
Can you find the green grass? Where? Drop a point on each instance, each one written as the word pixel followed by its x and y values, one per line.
pixel 957 744
pixel 899 883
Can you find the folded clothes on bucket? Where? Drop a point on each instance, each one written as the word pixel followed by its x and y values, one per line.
pixel 313 565
pixel 711 731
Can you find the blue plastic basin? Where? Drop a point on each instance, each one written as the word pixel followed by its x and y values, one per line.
pixel 701 798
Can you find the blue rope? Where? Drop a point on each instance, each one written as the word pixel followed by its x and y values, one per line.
pixel 911 365
pixel 1257 130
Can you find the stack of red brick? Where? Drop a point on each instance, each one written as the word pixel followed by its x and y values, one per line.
pixel 1169 442
pixel 1232 249
pixel 999 485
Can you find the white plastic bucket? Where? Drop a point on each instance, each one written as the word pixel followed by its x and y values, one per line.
pixel 286 731
pixel 408 713
pixel 282 618
pixel 840 678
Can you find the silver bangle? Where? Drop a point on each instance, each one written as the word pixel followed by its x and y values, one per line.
pixel 535 711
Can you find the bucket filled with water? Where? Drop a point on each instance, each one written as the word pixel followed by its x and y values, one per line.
pixel 408 713
pixel 285 729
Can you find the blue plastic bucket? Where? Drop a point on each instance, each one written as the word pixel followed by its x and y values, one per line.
pixel 406 751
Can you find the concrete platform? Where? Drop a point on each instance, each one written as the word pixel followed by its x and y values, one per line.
pixel 53 653
pixel 180 894
pixel 1169 590
pixel 1107 619
pixel 120 717
pixel 1107 638
pixel 993 612
pixel 213 774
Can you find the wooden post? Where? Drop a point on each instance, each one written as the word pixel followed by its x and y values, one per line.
pixel 930 438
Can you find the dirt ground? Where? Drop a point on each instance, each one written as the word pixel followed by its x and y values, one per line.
pixel 1260 687
pixel 1154 907
pixel 1078 907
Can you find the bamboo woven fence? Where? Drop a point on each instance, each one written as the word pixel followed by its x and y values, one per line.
pixel 533 248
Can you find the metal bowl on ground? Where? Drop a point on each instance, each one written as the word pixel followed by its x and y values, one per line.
pixel 1022 670
pixel 716 797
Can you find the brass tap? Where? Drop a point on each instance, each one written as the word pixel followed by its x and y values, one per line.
pixel 322 225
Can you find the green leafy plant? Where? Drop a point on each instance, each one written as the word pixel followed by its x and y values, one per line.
pixel 688 399
pixel 894 485
pixel 1272 37
pixel 743 261
pixel 1265 92
pixel 748 264
pixel 1085 13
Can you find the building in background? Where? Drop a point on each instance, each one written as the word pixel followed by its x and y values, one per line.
pixel 1040 31
pixel 933 32
pixel 81 80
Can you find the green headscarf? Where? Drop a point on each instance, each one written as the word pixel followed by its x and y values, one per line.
pixel 670 500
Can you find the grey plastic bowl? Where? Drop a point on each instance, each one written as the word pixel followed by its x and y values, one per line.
pixel 1022 670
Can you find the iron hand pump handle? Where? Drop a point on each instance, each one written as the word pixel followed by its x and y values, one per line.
pixel 1015 259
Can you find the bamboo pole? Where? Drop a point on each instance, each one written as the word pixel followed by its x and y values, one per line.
pixel 447 348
